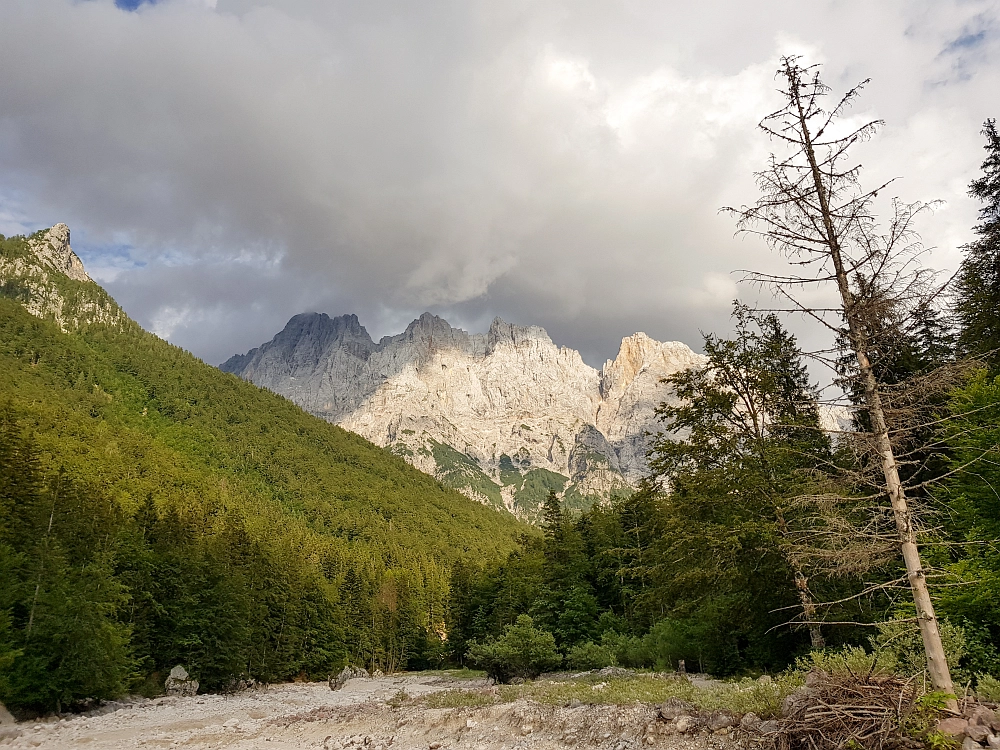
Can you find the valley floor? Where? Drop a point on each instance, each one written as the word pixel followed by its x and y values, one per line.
pixel 378 714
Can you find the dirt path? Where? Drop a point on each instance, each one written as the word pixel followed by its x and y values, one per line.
pixel 357 717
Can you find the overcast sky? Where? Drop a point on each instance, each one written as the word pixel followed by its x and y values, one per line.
pixel 224 165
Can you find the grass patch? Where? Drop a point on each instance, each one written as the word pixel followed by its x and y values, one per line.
pixel 743 696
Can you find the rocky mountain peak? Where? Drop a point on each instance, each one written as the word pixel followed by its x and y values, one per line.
pixel 502 332
pixel 504 416
pixel 430 333
pixel 53 250
pixel 639 354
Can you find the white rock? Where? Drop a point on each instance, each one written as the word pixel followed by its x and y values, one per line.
pixel 54 251
pixel 507 402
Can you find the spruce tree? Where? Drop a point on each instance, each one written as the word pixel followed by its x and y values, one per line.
pixel 978 282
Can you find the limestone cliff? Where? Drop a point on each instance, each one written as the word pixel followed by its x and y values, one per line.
pixel 43 273
pixel 504 416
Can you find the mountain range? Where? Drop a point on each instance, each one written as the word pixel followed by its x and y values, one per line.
pixel 503 416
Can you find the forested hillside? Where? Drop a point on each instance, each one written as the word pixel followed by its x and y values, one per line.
pixel 156 511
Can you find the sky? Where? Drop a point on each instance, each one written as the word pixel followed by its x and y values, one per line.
pixel 226 164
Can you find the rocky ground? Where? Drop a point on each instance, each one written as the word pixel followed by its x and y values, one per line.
pixel 371 714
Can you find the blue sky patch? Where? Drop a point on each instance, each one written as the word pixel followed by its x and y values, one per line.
pixel 131 4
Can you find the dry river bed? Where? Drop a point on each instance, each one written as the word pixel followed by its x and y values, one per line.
pixel 363 715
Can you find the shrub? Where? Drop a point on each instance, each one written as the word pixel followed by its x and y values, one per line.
pixel 988 688
pixel 522 651
pixel 589 656
pixel 849 660
pixel 902 641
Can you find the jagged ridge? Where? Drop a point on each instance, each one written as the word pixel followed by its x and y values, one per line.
pixel 505 416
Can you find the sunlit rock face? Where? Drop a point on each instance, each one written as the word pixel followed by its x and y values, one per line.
pixel 43 273
pixel 504 416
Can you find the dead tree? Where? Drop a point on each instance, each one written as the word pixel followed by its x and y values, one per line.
pixel 814 210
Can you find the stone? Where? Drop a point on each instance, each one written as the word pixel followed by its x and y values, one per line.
pixel 179 682
pixel 686 724
pixel 984 716
pixel 336 682
pixel 993 741
pixel 977 732
pixel 768 727
pixel 672 708
pixel 6 717
pixel 721 720
pixel 796 703
pixel 970 744
pixel 749 721
pixel 8 732
pixel 953 725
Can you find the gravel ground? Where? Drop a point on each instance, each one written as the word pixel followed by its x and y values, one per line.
pixel 357 717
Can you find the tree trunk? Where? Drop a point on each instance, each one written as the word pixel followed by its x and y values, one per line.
pixel 937 666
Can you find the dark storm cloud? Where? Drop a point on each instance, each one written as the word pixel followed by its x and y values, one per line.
pixel 227 165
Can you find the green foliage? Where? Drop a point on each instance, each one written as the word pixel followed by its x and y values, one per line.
pixel 523 651
pixel 463 472
pixel 745 445
pixel 988 688
pixel 590 655
pixel 977 284
pixel 849 661
pixel 742 696
pixel 898 642
pixel 198 520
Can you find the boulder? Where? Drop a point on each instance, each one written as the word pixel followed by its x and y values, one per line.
pixel 970 744
pixel 977 732
pixel 6 718
pixel 721 720
pixel 673 708
pixel 749 721
pixel 984 716
pixel 338 681
pixel 795 704
pixel 179 682
pixel 953 725
pixel 687 724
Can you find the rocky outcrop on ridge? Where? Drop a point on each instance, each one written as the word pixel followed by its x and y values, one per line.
pixel 504 416
pixel 53 250
pixel 44 274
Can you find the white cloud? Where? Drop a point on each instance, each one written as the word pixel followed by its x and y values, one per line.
pixel 556 163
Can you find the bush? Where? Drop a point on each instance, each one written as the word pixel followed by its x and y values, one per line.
pixel 522 651
pixel 589 656
pixel 988 688
pixel 902 641
pixel 850 660
pixel 628 650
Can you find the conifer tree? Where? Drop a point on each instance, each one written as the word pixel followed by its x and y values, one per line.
pixel 978 283
pixel 749 430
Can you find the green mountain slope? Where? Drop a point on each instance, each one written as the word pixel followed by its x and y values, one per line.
pixel 227 529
